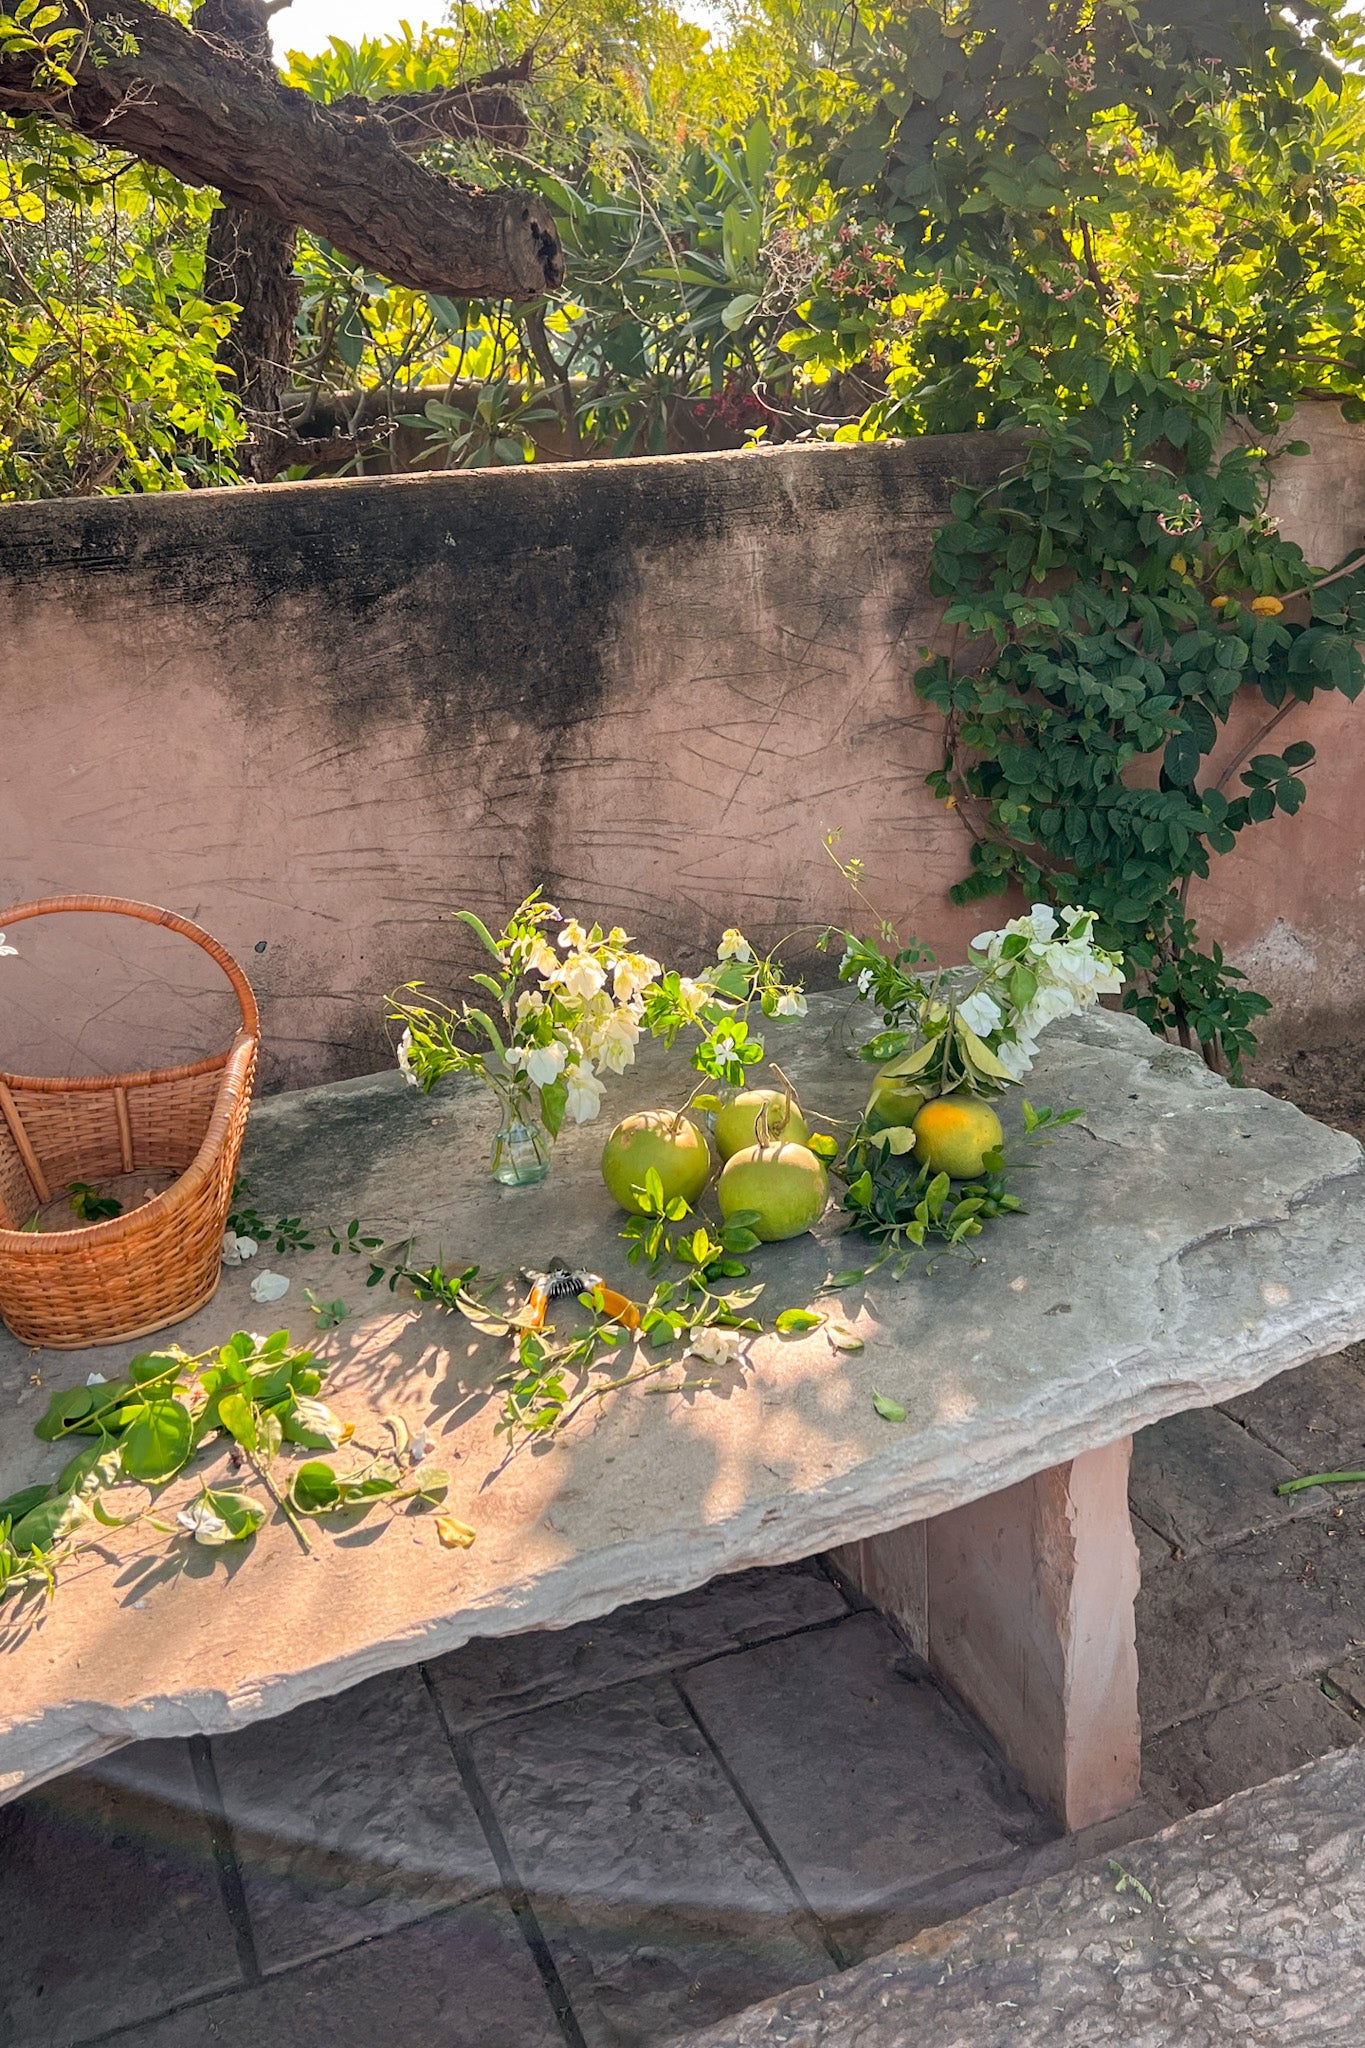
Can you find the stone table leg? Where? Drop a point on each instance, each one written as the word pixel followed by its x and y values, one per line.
pixel 1023 1605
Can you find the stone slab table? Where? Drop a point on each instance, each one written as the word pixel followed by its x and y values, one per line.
pixel 1184 1242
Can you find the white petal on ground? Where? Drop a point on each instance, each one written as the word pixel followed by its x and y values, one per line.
pixel 269 1286
pixel 715 1347
pixel 203 1524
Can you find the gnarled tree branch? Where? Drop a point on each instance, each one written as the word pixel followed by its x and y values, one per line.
pixel 183 101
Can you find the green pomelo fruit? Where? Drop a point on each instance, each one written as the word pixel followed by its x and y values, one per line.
pixel 675 1149
pixel 895 1099
pixel 737 1121
pixel 954 1133
pixel 785 1185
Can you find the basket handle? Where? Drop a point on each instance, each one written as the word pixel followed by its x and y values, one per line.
pixel 150 913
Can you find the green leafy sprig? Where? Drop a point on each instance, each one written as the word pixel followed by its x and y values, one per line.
pixel 261 1394
pixel 902 1205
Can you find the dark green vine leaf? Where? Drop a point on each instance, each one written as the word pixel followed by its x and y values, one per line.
pixel 66 1413
pixel 158 1441
pixel 19 1504
pixel 42 1528
pixel 316 1488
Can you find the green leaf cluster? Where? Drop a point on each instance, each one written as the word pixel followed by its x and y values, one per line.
pixel 903 1206
pixel 1126 601
pixel 146 1427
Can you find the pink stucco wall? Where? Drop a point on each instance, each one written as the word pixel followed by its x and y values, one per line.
pixel 319 717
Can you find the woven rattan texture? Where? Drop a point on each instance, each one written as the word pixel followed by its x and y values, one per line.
pixel 156 1264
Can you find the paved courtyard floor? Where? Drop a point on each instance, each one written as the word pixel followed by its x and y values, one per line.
pixel 623 1831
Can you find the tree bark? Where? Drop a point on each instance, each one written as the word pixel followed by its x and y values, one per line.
pixel 249 259
pixel 211 118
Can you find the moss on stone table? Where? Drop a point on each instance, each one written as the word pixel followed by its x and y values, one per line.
pixel 1185 1241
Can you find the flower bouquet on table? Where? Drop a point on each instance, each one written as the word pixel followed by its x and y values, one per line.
pixel 951 1041
pixel 558 1018
pixel 562 1008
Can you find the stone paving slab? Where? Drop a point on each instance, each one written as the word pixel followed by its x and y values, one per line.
pixel 1282 1605
pixel 349 1818
pixel 1200 1238
pixel 1348 1677
pixel 1200 1763
pixel 1201 1480
pixel 864 1776
pixel 1314 1417
pixel 658 1897
pixel 498 1675
pixel 949 1897
pixel 1239 1925
pixel 462 1979
pixel 1153 1550
pixel 109 1900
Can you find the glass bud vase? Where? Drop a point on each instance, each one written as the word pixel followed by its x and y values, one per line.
pixel 521 1147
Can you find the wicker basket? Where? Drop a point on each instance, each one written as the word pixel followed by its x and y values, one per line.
pixel 155 1264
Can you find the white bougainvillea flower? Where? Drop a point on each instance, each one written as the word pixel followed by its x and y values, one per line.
pixel 543 959
pixel 421 1446
pixel 1018 1058
pixel 202 1523
pixel 980 1014
pixel 584 1093
pixel 715 1347
pixel 1043 918
pixel 692 995
pixel 545 1063
pixel 269 1286
pixel 1078 970
pixel 405 1060
pixel 791 1003
pixel 613 1045
pixel 1049 1006
pixel 580 975
pixel 7 949
pixel 572 934
pixel 632 975
pixel 734 946
pixel 865 981
pixel 237 1250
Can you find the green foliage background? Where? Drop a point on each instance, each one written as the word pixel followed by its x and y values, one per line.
pixel 1131 232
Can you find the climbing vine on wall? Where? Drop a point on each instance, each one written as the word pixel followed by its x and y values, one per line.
pixel 1127 584
pixel 1129 232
